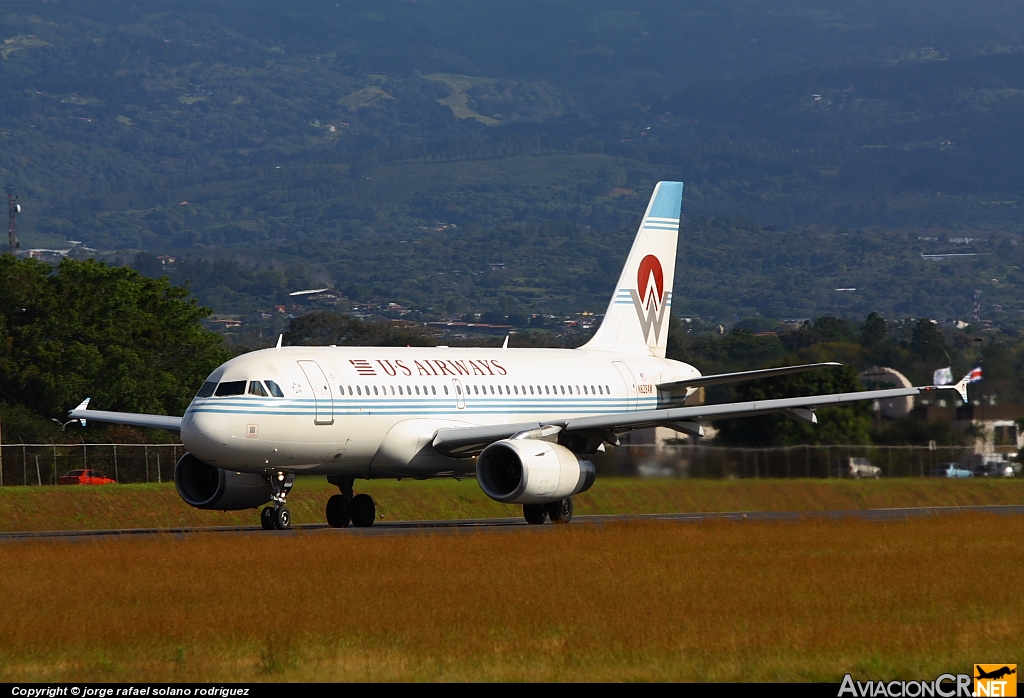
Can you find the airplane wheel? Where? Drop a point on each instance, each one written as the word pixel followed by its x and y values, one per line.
pixel 283 519
pixel 267 519
pixel 560 512
pixel 363 511
pixel 535 513
pixel 337 512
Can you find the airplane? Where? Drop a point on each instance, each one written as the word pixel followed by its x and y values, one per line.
pixel 995 674
pixel 523 422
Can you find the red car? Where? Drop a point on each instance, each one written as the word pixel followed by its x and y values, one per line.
pixel 85 477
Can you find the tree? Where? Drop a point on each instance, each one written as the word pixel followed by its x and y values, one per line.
pixel 927 342
pixel 836 425
pixel 321 328
pixel 872 332
pixel 90 330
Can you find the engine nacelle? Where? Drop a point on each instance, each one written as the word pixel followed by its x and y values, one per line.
pixel 205 487
pixel 529 471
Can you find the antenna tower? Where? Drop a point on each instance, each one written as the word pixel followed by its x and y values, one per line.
pixel 13 209
pixel 977 305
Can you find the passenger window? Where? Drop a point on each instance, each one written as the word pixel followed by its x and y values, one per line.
pixel 207 389
pixel 458 389
pixel 350 390
pixel 392 390
pixel 374 390
pixel 433 390
pixel 228 388
pixel 563 389
pixel 446 390
pixel 256 388
pixel 492 390
pixel 274 389
pixel 417 390
pixel 584 390
pixel 607 390
pixel 546 391
pixel 592 391
pixel 516 389
pixel 367 390
pixel 476 390
pixel 359 391
pixel 531 390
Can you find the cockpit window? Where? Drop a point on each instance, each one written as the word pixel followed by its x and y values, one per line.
pixel 230 388
pixel 274 388
pixel 207 389
pixel 256 388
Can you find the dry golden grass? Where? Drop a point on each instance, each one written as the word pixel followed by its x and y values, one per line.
pixel 807 600
pixel 158 506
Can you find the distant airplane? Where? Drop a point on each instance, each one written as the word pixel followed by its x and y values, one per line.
pixel 523 421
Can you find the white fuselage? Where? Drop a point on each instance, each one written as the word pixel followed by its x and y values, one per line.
pixel 373 411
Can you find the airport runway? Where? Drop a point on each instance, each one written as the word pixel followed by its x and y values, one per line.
pixel 510 524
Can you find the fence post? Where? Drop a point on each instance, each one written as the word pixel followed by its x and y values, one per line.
pixel 158 467
pixel 54 462
pixel 39 478
pixel 24 465
pixel 115 464
pixel 146 451
pixel 85 456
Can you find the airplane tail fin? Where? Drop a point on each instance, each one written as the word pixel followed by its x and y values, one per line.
pixel 636 321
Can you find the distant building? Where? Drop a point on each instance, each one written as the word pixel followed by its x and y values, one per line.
pixel 328 295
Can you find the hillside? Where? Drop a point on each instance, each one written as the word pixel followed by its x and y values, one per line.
pixel 824 145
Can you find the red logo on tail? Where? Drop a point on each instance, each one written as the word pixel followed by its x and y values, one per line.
pixel 649 296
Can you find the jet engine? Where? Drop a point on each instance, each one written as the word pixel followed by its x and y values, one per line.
pixel 205 487
pixel 530 471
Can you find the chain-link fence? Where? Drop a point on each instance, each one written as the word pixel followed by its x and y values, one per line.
pixel 43 464
pixel 781 462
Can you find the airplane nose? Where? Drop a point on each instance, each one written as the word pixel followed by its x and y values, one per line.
pixel 205 434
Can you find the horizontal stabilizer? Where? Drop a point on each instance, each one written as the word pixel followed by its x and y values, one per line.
pixel 716 379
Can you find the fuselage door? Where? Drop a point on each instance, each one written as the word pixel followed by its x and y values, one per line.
pixel 460 398
pixel 630 381
pixel 321 392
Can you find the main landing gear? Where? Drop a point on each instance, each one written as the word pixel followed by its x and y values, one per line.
pixel 560 512
pixel 278 516
pixel 345 507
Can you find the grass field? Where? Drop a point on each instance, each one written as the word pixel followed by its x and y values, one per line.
pixel 739 601
pixel 158 506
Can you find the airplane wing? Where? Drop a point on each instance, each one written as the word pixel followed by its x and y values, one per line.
pixel 716 379
pixel 158 421
pixel 465 441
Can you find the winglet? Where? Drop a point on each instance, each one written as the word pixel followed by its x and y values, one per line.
pixel 280 338
pixel 83 406
pixel 504 344
pixel 961 388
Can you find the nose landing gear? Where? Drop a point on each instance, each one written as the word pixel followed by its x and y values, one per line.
pixel 278 516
